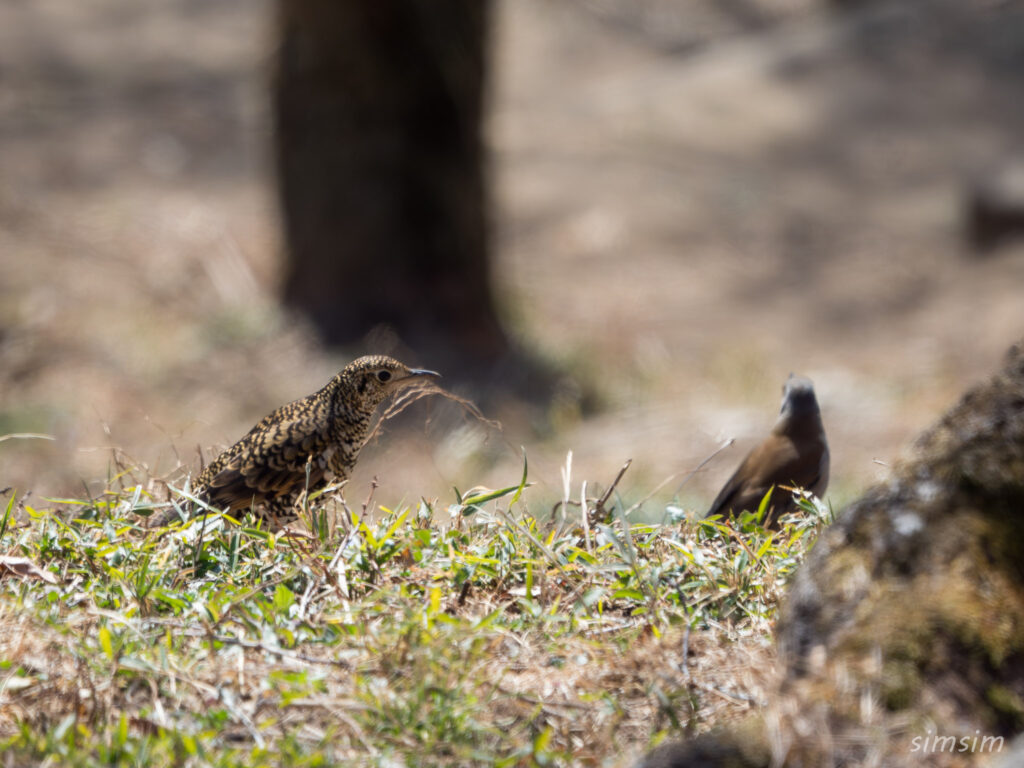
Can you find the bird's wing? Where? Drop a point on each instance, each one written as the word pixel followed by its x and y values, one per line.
pixel 754 476
pixel 805 468
pixel 731 491
pixel 269 461
pixel 821 481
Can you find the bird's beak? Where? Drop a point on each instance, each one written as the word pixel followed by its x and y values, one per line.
pixel 423 372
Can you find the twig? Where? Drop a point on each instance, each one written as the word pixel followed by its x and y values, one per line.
pixel 586 519
pixel 700 466
pixel 252 645
pixel 737 698
pixel 536 700
pixel 537 542
pixel 412 394
pixel 334 567
pixel 25 436
pixel 686 653
pixel 599 506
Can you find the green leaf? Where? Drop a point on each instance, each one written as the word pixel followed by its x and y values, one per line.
pixel 486 621
pixel 541 746
pixel 122 730
pixel 435 601
pixel 762 508
pixel 522 483
pixel 630 594
pixel 394 525
pixel 284 598
pixel 106 643
pixel 7 514
pixel 256 533
pixel 592 596
pixel 482 498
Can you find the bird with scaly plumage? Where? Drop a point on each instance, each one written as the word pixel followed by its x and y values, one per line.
pixel 302 446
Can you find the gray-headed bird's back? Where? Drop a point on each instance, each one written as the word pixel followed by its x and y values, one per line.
pixel 795 454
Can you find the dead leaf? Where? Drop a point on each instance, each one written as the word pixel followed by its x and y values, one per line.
pixel 25 568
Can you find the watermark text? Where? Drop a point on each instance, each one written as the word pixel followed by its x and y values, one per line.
pixel 964 744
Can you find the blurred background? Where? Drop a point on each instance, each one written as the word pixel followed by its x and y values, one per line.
pixel 617 225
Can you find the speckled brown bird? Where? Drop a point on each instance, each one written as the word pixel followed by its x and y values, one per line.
pixel 795 454
pixel 267 468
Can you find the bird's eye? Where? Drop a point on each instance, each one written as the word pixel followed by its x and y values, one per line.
pixel 383 375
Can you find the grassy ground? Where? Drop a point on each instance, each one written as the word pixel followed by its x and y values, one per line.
pixel 443 633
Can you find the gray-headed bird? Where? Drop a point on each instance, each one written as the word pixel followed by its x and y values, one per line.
pixel 795 454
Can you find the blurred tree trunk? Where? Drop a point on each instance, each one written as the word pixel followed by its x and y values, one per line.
pixel 381 172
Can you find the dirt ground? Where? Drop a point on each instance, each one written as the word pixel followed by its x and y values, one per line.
pixel 693 199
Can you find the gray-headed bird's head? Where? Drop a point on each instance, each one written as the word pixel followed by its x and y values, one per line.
pixel 798 397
